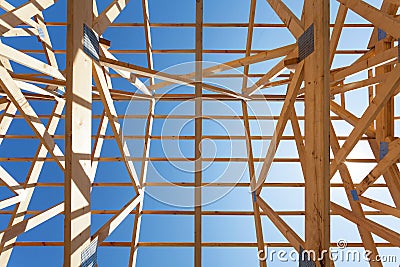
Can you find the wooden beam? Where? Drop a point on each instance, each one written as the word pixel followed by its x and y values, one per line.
pixel 350 118
pixel 389 7
pixel 391 158
pixel 98 144
pixel 5 203
pixel 241 62
pixel 6 119
pixel 375 16
pixel 104 20
pixel 366 64
pixel 271 74
pixel 288 18
pixel 316 81
pixel 198 128
pixel 295 241
pixel 387 234
pixel 11 183
pixel 143 181
pixel 117 219
pixel 165 76
pixel 6 6
pixel 252 174
pixel 366 237
pixel 337 31
pixel 30 62
pixel 18 99
pixel 380 206
pixel 111 112
pixel 147 32
pixel 24 226
pixel 127 74
pixel 22 14
pixel 44 38
pixel 281 124
pixel 20 210
pixel 381 98
pixel 343 88
pixel 78 127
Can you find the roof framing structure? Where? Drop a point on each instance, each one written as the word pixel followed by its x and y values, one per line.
pixel 311 80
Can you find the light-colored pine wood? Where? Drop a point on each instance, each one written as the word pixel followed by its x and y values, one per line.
pixel 78 127
pixel 317 95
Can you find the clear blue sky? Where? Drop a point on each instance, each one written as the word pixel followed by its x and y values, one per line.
pixel 175 228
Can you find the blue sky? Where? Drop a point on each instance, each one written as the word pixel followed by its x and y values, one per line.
pixel 179 228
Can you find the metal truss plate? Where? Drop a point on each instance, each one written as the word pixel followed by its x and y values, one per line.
pixel 90 42
pixel 306 43
pixel 89 255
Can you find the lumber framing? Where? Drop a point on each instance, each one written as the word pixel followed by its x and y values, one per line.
pixel 78 135
pixel 312 99
pixel 316 80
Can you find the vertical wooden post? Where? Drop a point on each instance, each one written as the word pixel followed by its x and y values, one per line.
pixel 316 77
pixel 77 134
pixel 198 134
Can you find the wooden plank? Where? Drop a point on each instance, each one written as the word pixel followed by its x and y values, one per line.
pixel 366 237
pixel 281 124
pixel 316 81
pixel 28 224
pixel 343 88
pixel 18 99
pixel 249 41
pixel 198 128
pixel 111 112
pixel 295 241
pixel 5 203
pixel 20 210
pixel 391 158
pixel 252 174
pixel 366 64
pixel 387 234
pixel 378 18
pixel 298 139
pixel 288 18
pixel 117 219
pixel 241 62
pixel 337 31
pixel 46 42
pixel 389 7
pixel 165 76
pixel 249 146
pixel 381 98
pixel 6 6
pixel 350 118
pixel 98 144
pixel 110 13
pixel 271 74
pixel 143 178
pixel 21 32
pixel 11 183
pixel 147 32
pixel 78 127
pixel 30 62
pixel 127 74
pixel 6 119
pixel 22 14
pixel 380 206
